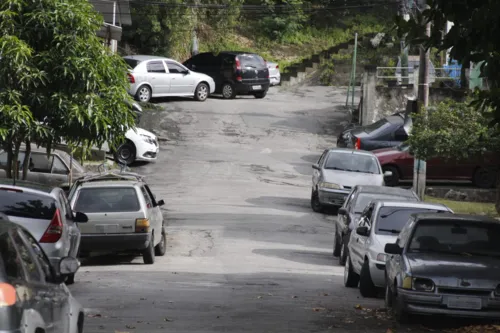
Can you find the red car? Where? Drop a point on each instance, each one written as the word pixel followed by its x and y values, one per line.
pixel 482 171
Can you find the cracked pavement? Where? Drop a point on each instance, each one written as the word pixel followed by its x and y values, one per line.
pixel 245 251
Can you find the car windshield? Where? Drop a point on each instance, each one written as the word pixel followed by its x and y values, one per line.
pixel 392 219
pixel 132 63
pixel 464 238
pixel 107 199
pixel 27 205
pixel 403 147
pixel 252 61
pixel 376 125
pixel 352 162
pixel 364 199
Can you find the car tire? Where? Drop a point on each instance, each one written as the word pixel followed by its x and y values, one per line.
pixel 344 250
pixel 70 279
pixel 148 255
pixel 228 91
pixel 161 248
pixel 366 286
pixel 125 154
pixel 351 279
pixel 485 177
pixel 260 94
pixel 394 179
pixel 388 301
pixel 201 92
pixel 336 245
pixel 315 203
pixel 143 94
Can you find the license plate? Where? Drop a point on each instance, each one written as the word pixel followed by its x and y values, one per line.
pixel 256 87
pixel 465 303
pixel 107 228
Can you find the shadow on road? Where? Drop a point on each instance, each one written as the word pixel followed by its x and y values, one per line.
pixel 110 260
pixel 305 257
pixel 282 203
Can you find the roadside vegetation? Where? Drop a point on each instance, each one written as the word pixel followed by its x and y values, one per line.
pixel 464 207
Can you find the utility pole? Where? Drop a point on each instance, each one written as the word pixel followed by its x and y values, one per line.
pixel 420 166
pixel 194 12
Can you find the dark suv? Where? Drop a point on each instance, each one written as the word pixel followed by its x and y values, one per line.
pixel 234 72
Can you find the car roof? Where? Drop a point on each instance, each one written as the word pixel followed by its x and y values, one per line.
pixel 458 218
pixel 351 151
pixel 143 57
pixel 27 184
pixel 372 189
pixel 28 190
pixel 110 183
pixel 410 204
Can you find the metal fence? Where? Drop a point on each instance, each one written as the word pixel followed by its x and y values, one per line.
pixel 409 75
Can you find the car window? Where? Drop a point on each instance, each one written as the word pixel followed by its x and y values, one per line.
pixel 65 206
pixel 322 157
pixel 348 200
pixel 107 199
pixel 173 68
pixel 252 61
pixel 400 134
pixel 391 220
pixel 42 259
pixel 28 261
pixel 3 159
pixel 363 199
pixel 474 238
pixel 228 61
pixel 40 162
pixel 27 205
pixel 352 162
pixel 58 167
pixel 382 123
pixel 153 200
pixel 149 203
pixel 132 63
pixel 405 232
pixel 156 67
pixel 10 258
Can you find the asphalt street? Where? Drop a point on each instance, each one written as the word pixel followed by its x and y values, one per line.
pixel 245 251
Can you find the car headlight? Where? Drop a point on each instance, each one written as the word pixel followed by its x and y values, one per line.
pixel 147 139
pixel 329 185
pixel 382 257
pixel 421 284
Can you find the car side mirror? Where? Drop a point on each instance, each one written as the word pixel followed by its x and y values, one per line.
pixel 393 248
pixel 80 217
pixel 315 166
pixel 67 266
pixel 160 203
pixel 388 174
pixel 362 231
pixel 185 72
pixel 342 211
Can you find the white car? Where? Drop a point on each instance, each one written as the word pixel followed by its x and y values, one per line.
pixel 152 76
pixel 274 73
pixel 379 224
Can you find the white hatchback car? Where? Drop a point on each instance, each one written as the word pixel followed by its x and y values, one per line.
pixel 152 76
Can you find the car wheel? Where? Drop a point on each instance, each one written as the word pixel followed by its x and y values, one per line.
pixel 315 204
pixel 161 248
pixel 398 312
pixel 260 94
pixel 228 91
pixel 149 254
pixel 366 286
pixel 394 179
pixel 70 279
pixel 125 154
pixel 485 177
pixel 343 250
pixel 351 279
pixel 336 245
pixel 201 93
pixel 80 323
pixel 143 94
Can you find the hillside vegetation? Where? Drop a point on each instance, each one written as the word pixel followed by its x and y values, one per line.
pixel 281 31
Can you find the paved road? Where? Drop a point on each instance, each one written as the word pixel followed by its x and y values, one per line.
pixel 245 254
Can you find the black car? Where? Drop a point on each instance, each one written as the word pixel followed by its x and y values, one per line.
pixel 359 198
pixel 388 132
pixel 234 72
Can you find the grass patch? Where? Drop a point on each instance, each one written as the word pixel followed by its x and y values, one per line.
pixel 150 106
pixel 464 207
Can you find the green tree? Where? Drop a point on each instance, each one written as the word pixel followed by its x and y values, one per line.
pixel 58 82
pixel 456 131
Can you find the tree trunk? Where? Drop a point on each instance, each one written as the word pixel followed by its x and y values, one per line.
pixel 8 167
pixel 26 162
pixel 15 160
pixel 497 202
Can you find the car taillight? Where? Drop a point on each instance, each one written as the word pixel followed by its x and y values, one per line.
pixel 277 66
pixel 358 144
pixel 131 78
pixel 238 64
pixel 7 295
pixel 142 225
pixel 239 78
pixel 497 291
pixel 55 229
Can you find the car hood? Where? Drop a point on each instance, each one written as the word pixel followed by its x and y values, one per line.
pixel 202 76
pixel 450 270
pixel 350 179
pixel 141 131
pixel 381 240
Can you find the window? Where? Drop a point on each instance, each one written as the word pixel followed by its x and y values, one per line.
pixel 353 162
pixel 156 67
pixel 377 125
pixel 40 163
pixel 26 258
pixel 146 197
pixel 10 258
pixel 3 159
pixel 153 199
pixel 400 134
pixel 252 61
pixel 40 255
pixel 322 157
pixel 132 63
pixel 364 200
pixel 27 205
pixel 58 167
pixel 392 219
pixel 107 200
pixel 173 68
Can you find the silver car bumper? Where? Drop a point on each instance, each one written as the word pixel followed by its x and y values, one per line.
pixel 332 197
pixel 377 273
pixel 436 304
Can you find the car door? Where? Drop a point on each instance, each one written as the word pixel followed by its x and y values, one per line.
pixel 358 242
pixel 3 163
pixel 394 265
pixel 343 220
pixel 317 173
pixel 73 231
pixel 154 213
pixel 43 300
pixel 48 170
pixel 158 76
pixel 60 297
pixel 181 81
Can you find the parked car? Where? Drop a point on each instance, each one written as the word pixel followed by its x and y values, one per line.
pixel 356 202
pixel 152 76
pixel 52 170
pixel 338 171
pixel 379 224
pixel 480 170
pixel 45 212
pixel 234 72
pixel 274 73
pixel 445 264
pixel 33 296
pixel 123 215
pixel 388 132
